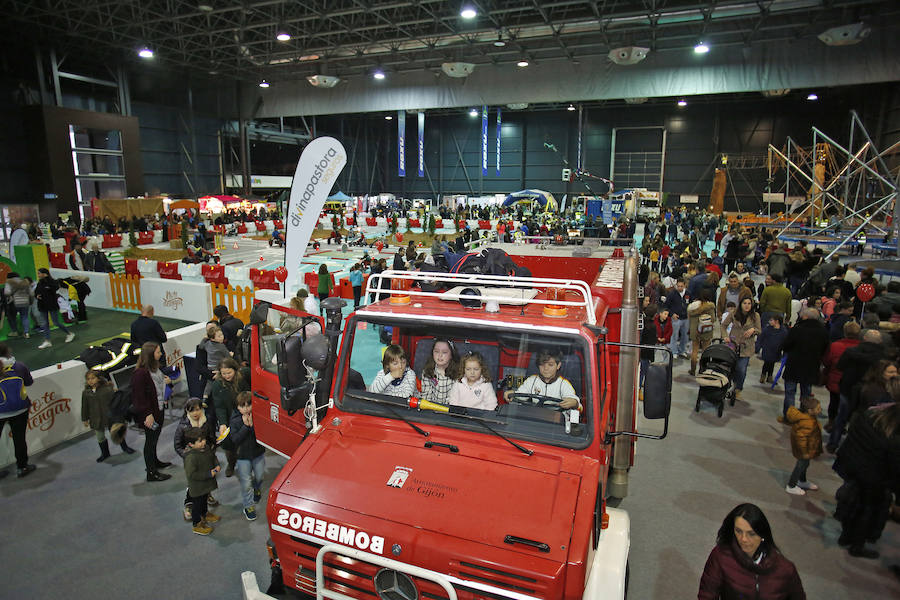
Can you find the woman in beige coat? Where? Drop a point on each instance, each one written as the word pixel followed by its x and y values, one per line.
pixel 745 326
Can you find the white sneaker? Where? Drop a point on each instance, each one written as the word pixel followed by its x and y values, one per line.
pixel 807 485
pixel 27 335
pixel 44 344
pixel 796 490
pixel 70 337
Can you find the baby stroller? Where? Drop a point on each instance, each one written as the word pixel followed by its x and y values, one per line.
pixel 714 376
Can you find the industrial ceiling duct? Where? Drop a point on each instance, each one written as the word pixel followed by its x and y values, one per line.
pixel 517 106
pixel 635 100
pixel 776 93
pixel 323 81
pixel 845 35
pixel 457 69
pixel 628 55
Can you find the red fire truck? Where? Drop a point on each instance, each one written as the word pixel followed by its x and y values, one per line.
pixel 399 498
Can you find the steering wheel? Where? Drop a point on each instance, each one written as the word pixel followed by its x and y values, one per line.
pixel 544 401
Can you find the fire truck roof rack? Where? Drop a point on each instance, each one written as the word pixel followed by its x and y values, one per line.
pixel 497 281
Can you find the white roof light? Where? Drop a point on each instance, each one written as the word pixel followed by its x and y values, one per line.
pixel 701 48
pixel 682 103
pixel 812 96
pixel 263 84
pixel 522 63
pixel 379 74
pixel 473 113
pixel 468 12
pixel 145 52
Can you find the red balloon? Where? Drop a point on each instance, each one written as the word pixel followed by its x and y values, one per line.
pixel 865 292
pixel 281 274
pixel 379 245
pixel 399 237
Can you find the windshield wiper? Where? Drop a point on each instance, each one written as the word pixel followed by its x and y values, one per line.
pixel 483 423
pixel 389 406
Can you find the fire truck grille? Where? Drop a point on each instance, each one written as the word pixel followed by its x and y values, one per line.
pixel 356 578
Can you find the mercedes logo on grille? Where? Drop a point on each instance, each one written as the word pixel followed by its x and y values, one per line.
pixel 393 585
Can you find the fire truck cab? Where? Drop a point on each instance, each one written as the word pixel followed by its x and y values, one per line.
pixel 390 495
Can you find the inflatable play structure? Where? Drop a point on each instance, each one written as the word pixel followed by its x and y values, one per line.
pixel 544 200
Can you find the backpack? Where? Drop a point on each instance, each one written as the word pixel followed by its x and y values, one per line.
pixel 120 407
pixel 704 324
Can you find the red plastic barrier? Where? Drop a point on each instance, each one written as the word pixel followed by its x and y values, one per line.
pixel 415 223
pixel 111 241
pixel 58 260
pixel 219 229
pixel 279 224
pixel 214 274
pixel 264 279
pixel 483 224
pixel 462 224
pixel 145 237
pixel 260 226
pixel 350 221
pixel 438 223
pixel 168 270
pixel 312 283
pixel 242 228
pixel 131 267
pixel 371 222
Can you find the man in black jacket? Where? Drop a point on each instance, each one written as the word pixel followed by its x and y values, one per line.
pixel 676 304
pixel 853 364
pixel 231 326
pixel 804 345
pixel 147 329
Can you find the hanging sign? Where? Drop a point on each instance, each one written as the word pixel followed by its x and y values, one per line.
pixel 484 140
pixel 498 142
pixel 401 143
pixel 421 117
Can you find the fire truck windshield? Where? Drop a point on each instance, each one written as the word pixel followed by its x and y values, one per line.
pixel 527 384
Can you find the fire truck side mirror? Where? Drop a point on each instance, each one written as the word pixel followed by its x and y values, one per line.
pixel 657 391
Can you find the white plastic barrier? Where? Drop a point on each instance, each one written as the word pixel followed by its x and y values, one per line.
pixel 380 222
pixel 94 239
pixel 175 299
pixel 147 268
pixel 237 272
pixel 101 294
pixel 190 271
pixel 157 236
pixel 270 225
pixel 57 244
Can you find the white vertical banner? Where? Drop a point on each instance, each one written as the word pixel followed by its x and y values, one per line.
pixel 498 141
pixel 322 161
pixel 401 143
pixel 421 119
pixel 484 140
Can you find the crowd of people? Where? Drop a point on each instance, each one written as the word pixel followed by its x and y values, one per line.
pixel 808 326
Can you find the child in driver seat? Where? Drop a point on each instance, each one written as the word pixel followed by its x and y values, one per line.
pixel 474 389
pixel 548 382
pixel 395 378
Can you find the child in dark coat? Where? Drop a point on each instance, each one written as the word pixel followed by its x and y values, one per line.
pixel 200 468
pixel 251 456
pixel 194 416
pixel 769 344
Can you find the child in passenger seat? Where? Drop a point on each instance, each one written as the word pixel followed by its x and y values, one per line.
pixel 395 378
pixel 474 389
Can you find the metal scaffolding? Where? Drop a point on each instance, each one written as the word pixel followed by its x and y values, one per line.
pixel 856 192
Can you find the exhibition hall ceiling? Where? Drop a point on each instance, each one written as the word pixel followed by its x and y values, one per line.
pixel 355 38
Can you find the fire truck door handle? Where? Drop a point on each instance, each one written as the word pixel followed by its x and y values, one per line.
pixel 261 396
pixel 449 447
pixel 511 539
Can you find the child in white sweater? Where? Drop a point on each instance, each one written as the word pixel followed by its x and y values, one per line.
pixel 395 378
pixel 474 390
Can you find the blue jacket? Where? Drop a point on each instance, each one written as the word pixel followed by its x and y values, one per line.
pixel 694 285
pixel 13 398
pixel 676 304
pixel 769 341
pixel 356 278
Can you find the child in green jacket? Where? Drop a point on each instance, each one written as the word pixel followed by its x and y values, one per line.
pixel 200 468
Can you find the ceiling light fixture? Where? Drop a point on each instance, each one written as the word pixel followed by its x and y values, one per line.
pixel 701 48
pixel 263 84
pixel 145 52
pixel 473 112
pixel 499 41
pixel 323 81
pixel 628 55
pixel 812 96
pixel 378 74
pixel 468 12
pixel 388 118
pixel 205 7
pixel 845 35
pixel 282 35
pixel 522 63
pixel 571 107
pixel 682 103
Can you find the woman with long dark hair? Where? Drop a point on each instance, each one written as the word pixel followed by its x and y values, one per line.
pixel 145 400
pixel 745 326
pixel 880 385
pixel 869 463
pixel 228 384
pixel 746 563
